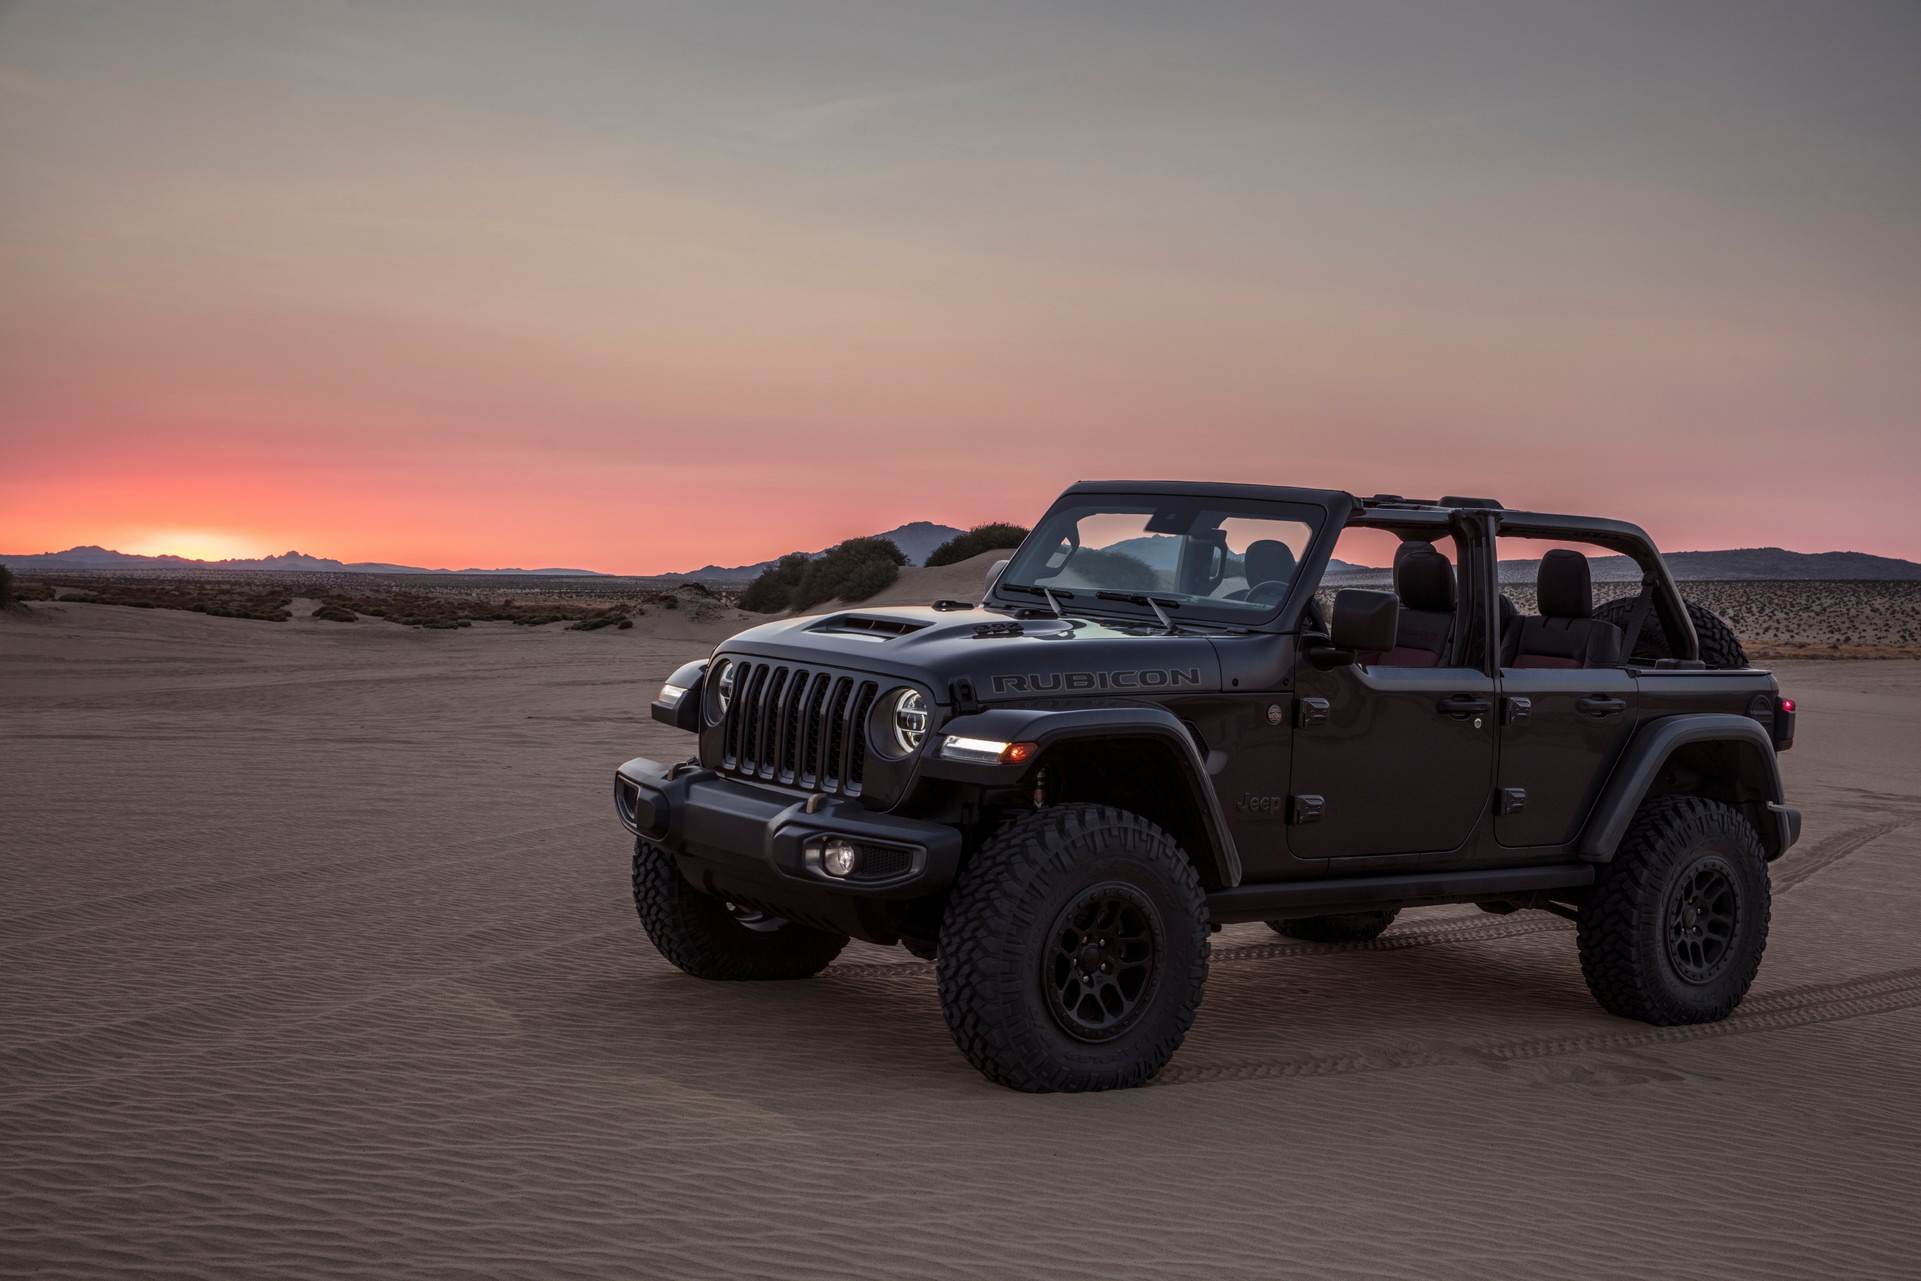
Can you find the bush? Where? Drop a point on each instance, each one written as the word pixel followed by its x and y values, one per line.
pixel 868 579
pixel 6 587
pixel 774 588
pixel 872 563
pixel 981 538
pixel 336 614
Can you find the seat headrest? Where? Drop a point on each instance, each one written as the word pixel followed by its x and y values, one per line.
pixel 1423 578
pixel 1268 560
pixel 1563 585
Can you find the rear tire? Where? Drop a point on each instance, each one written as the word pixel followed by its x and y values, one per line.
pixel 1348 927
pixel 709 938
pixel 1720 647
pixel 1073 951
pixel 1673 930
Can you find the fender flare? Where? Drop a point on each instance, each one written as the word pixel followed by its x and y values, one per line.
pixel 1220 866
pixel 1648 752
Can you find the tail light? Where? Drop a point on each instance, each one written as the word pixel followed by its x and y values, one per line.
pixel 1783 724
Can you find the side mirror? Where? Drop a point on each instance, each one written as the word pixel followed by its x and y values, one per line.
pixel 1365 621
pixel 995 573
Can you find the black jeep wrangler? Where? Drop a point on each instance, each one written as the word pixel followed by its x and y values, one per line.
pixel 1166 715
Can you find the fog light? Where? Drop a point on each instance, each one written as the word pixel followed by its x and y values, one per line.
pixel 838 858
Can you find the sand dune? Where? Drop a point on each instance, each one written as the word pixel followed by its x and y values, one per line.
pixel 319 963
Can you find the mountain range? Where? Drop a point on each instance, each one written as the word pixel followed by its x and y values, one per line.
pixel 91 557
pixel 918 539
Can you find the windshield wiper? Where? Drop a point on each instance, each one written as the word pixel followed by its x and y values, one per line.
pixel 1136 598
pixel 1054 595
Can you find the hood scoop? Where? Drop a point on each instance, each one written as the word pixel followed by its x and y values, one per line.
pixel 866 628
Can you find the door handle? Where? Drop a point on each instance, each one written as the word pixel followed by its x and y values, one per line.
pixel 1465 705
pixel 1600 705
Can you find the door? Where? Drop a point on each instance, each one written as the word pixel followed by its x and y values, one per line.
pixel 1561 732
pixel 1389 760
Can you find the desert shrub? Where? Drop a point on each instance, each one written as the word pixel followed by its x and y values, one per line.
pixel 875 562
pixel 6 587
pixel 867 579
pixel 25 591
pixel 97 598
pixel 624 624
pixel 771 591
pixel 335 614
pixel 981 538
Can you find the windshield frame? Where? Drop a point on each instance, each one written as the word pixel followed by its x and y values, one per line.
pixel 1244 500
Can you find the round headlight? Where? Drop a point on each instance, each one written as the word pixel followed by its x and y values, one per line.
pixel 907 720
pixel 724 684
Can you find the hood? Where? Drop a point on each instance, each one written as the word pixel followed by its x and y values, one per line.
pixel 1004 658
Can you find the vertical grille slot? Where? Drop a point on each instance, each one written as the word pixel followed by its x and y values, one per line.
pixel 831 769
pixel 857 736
pixel 798 727
pixel 810 731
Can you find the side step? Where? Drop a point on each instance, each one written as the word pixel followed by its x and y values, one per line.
pixel 1279 899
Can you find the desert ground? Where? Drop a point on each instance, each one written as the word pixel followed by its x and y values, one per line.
pixel 319 962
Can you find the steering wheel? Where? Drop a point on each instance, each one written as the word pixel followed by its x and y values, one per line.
pixel 1271 592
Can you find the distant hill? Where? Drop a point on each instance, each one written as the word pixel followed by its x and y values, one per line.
pixel 101 558
pixel 1744 564
pixel 916 541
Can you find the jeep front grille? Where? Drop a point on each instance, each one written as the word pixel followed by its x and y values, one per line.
pixel 798 726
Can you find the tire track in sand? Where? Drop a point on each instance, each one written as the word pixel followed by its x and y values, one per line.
pixel 1792 871
pixel 1793 1007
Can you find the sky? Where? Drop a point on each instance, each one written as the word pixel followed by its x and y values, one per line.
pixel 639 286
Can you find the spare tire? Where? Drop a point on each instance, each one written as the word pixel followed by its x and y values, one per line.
pixel 1720 647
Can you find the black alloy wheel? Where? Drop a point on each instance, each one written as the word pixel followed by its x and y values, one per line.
pixel 1704 917
pixel 1101 971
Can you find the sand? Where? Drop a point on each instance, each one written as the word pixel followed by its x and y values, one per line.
pixel 319 962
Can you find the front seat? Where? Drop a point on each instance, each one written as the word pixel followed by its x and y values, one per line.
pixel 1266 561
pixel 1424 582
pixel 1564 634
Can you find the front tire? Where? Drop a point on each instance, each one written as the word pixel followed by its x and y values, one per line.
pixel 1674 928
pixel 1347 927
pixel 710 938
pixel 1073 951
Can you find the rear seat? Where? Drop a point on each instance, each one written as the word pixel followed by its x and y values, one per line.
pixel 1564 634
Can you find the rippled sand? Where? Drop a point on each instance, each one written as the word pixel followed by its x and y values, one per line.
pixel 318 962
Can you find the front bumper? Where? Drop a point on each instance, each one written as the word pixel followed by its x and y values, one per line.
pixel 740 832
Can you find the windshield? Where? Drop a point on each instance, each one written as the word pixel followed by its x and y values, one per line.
pixel 1221 559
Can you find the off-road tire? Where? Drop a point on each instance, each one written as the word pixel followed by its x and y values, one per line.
pixel 1347 927
pixel 1004 949
pixel 710 940
pixel 1638 904
pixel 1720 647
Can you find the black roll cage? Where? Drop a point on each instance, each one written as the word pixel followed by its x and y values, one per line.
pixel 1475 524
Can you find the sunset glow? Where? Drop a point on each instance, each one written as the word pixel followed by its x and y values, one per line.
pixel 643 287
